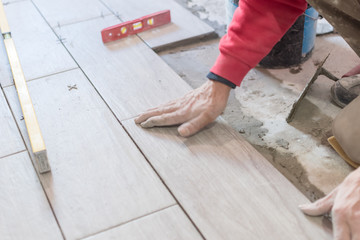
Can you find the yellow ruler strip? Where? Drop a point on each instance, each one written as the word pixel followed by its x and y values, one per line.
pixel 32 125
pixel 4 26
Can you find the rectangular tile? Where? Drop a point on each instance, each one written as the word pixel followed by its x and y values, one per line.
pixel 10 139
pixel 99 179
pixel 228 189
pixel 39 49
pixel 127 73
pixel 183 27
pixel 59 13
pixel 25 211
pixel 170 223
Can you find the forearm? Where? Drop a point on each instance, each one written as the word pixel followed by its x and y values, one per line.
pixel 256 27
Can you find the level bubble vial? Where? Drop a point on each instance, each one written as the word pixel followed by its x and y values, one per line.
pixel 150 21
pixel 123 30
pixel 137 25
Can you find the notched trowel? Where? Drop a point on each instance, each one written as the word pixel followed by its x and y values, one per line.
pixel 319 71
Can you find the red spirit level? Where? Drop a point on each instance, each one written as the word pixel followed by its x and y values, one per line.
pixel 135 26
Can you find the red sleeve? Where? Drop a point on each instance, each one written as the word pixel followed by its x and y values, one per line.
pixel 256 27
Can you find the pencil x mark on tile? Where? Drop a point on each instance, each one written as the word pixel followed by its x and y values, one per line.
pixel 71 87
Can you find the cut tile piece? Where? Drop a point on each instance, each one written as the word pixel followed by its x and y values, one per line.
pixel 59 13
pixel 183 27
pixel 39 49
pixel 10 139
pixel 127 73
pixel 170 223
pixel 25 211
pixel 227 188
pixel 99 178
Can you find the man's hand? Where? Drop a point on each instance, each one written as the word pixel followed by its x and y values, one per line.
pixel 193 111
pixel 344 204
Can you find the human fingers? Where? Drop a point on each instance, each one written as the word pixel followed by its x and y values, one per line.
pixel 196 124
pixel 166 119
pixel 356 235
pixel 170 107
pixel 341 229
pixel 355 229
pixel 320 206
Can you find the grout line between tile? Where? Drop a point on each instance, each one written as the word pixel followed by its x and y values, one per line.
pixel 44 76
pixel 33 164
pixel 13 116
pixel 15 1
pixel 128 118
pixel 8 155
pixel 163 181
pixel 80 21
pixel 205 36
pixel 129 221
pixel 147 160
pixel 35 169
pixel 118 17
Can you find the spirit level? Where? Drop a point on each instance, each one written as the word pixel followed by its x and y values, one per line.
pixel 135 26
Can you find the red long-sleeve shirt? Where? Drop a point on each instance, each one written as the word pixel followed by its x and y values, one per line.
pixel 256 27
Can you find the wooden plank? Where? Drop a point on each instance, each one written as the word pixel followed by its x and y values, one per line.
pixel 36 139
pixel 99 178
pixel 170 223
pixel 5 70
pixel 127 73
pixel 184 26
pixel 60 13
pixel 32 126
pixel 10 139
pixel 4 25
pixel 25 211
pixel 228 189
pixel 32 36
pixel 34 133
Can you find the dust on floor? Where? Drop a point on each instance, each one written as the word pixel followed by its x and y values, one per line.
pixel 259 107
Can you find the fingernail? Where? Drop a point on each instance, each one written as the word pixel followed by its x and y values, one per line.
pixel 146 124
pixel 184 132
pixel 303 206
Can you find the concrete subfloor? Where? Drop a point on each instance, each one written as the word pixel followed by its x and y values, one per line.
pixel 259 107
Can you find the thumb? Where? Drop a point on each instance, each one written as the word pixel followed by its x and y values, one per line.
pixel 321 206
